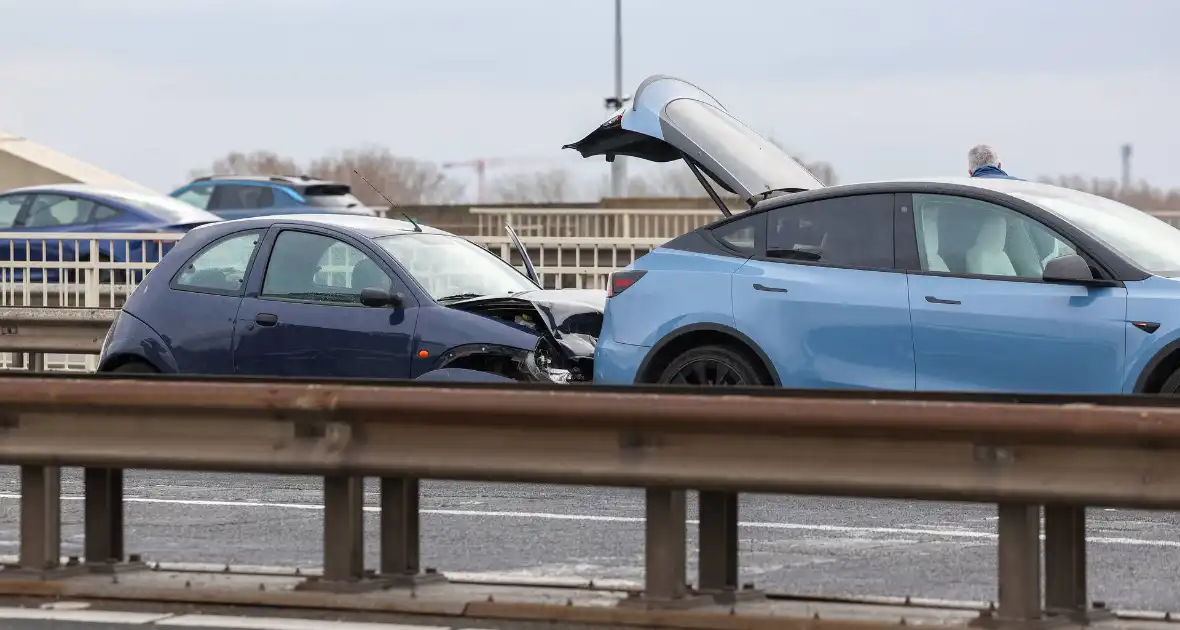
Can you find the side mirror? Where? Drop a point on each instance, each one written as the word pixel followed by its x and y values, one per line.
pixel 1070 269
pixel 377 298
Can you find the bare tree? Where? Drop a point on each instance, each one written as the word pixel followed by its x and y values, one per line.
pixel 404 180
pixel 552 186
pixel 252 163
pixel 1140 195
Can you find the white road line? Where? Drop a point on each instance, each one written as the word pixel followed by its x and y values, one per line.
pixel 275 623
pixel 82 616
pixel 807 527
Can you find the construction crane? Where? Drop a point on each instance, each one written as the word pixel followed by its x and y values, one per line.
pixel 481 166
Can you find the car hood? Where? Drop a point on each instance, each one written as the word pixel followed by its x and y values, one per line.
pixel 573 317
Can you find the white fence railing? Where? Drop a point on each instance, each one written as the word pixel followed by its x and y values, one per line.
pixel 592 222
pixel 56 269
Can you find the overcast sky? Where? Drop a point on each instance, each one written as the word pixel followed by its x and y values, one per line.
pixel 153 88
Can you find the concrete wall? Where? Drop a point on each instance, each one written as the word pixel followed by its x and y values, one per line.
pixel 26 163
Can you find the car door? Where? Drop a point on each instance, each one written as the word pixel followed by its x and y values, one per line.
pixel 302 314
pixel 196 316
pixel 983 318
pixel 822 297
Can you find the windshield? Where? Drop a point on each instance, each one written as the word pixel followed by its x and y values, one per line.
pixel 451 268
pixel 167 208
pixel 1151 244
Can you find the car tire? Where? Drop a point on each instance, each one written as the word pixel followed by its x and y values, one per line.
pixel 712 366
pixel 135 366
pixel 1171 387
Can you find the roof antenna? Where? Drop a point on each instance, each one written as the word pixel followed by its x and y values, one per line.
pixel 417 228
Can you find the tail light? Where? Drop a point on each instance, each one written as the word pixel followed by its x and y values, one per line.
pixel 622 280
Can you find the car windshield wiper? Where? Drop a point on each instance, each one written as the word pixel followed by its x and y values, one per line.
pixel 459 296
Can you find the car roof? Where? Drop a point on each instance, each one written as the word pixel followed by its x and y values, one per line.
pixel 367 226
pixel 89 189
pixel 301 180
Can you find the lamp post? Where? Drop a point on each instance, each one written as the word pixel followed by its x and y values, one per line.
pixel 618 167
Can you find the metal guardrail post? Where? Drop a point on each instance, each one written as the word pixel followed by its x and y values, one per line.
pixel 718 564
pixel 40 518
pixel 1019 559
pixel 1066 591
pixel 344 529
pixel 103 512
pixel 401 563
pixel 36 362
pixel 665 540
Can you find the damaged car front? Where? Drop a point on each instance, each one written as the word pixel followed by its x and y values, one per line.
pixel 496 323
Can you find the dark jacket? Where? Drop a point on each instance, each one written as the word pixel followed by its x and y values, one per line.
pixel 992 172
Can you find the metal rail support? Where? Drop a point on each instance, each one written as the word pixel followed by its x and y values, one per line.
pixel 401 537
pixel 344 537
pixel 103 513
pixel 1066 592
pixel 1019 563
pixel 665 575
pixel 717 567
pixel 40 518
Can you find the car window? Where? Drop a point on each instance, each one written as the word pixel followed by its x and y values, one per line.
pixel 971 237
pixel 197 195
pixel 451 268
pixel 242 197
pixel 51 211
pixel 742 234
pixel 10 207
pixel 222 266
pixel 847 231
pixel 103 213
pixel 316 268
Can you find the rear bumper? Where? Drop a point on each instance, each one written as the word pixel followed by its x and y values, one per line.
pixel 617 363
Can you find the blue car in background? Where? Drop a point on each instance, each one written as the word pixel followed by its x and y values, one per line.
pixel 954 284
pixel 244 196
pixel 333 295
pixel 86 209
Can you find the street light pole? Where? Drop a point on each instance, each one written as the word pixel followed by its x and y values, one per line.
pixel 618 168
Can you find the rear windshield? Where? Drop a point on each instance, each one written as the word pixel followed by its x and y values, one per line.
pixel 330 195
pixel 162 207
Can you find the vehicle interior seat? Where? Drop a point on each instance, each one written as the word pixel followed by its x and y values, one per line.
pixel 987 257
pixel 933 259
pixel 367 275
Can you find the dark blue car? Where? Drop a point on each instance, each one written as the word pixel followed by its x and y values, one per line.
pixel 350 296
pixel 84 209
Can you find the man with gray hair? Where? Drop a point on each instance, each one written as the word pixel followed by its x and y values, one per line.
pixel 983 161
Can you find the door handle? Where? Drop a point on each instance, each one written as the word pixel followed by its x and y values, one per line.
pixel 763 287
pixel 934 300
pixel 266 319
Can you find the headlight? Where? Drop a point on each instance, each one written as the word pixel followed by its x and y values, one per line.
pixel 539 364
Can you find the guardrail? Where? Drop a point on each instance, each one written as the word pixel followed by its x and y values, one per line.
pixel 1065 456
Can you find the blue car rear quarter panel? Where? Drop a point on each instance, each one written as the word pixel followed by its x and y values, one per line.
pixel 826 327
pixel 679 289
pixel 131 338
pixel 1155 300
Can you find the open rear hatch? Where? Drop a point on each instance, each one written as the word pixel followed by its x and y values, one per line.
pixel 671 119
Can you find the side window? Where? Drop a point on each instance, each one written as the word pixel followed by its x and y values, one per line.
pixel 971 237
pixel 242 197
pixel 50 211
pixel 846 232
pixel 9 208
pixel 310 267
pixel 222 267
pixel 742 234
pixel 103 213
pixel 197 195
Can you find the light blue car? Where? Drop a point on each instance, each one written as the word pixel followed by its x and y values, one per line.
pixel 952 284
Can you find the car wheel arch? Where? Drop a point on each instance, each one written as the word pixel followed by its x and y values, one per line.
pixel 117 361
pixel 668 347
pixel 1157 370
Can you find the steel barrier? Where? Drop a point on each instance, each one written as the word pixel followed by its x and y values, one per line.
pixel 1060 455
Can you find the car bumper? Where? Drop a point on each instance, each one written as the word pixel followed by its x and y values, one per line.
pixel 617 363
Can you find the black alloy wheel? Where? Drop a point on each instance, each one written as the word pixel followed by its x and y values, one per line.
pixel 711 366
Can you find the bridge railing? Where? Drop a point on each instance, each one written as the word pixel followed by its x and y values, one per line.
pixel 1039 455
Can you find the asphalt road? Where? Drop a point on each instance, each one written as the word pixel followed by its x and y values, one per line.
pixel 789 544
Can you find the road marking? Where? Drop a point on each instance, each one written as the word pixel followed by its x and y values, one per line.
pixel 603 518
pixel 275 623
pixel 82 616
